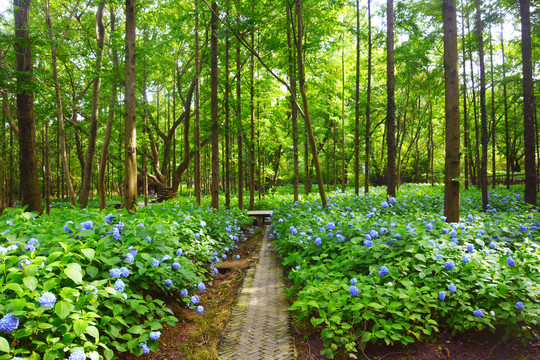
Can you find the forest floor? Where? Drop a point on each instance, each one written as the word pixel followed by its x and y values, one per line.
pixel 196 337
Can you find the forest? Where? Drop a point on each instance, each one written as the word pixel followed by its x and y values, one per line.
pixel 368 114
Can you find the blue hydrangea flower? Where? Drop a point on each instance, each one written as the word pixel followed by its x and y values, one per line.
pixel 9 323
pixel 201 287
pixel 470 248
pixel 449 265
pixel 224 256
pixel 168 282
pixel 24 263
pixel 353 290
pixel 374 234
pixel 237 257
pixel 114 273
pixel 203 224
pixel 510 261
pixel 383 271
pixel 195 299
pixel 354 281
pixel 66 227
pixel 392 200
pixel 154 335
pixel 453 233
pixel 330 226
pixel 200 309
pixel 145 348
pixel 452 288
pixel 124 272
pixel 175 265
pixel 87 225
pixel 129 258
pixel 148 239
pixel 179 252
pixel 439 256
pixel 442 295
pixel 77 355
pixel 33 242
pixel 91 289
pixel 478 313
pixel 293 230
pixel 297 268
pixel 318 242
pixel 520 305
pixel 197 235
pixel 183 292
pixel 384 205
pixel 466 259
pixel 17 358
pixel 119 285
pixel 429 226
pixel 47 300
pixel 116 233
pixel 492 245
pixel 109 218
pixel 368 243
pixel 155 262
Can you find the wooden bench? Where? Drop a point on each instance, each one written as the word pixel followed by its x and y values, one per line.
pixel 261 217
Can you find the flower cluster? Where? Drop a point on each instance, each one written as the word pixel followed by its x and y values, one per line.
pixel 47 300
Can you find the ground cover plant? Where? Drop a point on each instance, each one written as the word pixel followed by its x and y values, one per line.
pixel 369 269
pixel 83 284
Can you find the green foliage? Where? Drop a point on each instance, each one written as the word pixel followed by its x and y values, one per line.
pixel 359 235
pixel 73 259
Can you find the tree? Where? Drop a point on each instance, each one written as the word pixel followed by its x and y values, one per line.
pixel 28 166
pixel 197 135
pixel 130 130
pixel 357 107
pixel 451 80
pixel 528 103
pixel 368 102
pixel 214 104
pixel 390 100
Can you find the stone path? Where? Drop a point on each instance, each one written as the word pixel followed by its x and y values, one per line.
pixel 259 325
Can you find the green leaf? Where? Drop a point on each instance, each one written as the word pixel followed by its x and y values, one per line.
pixel 79 326
pixel 93 331
pixel 4 345
pixel 89 253
pixel 366 337
pixel 30 282
pixel 15 287
pixel 137 329
pixel 92 271
pixel 74 274
pixel 93 355
pixel 62 309
pixel 50 355
pixel 108 353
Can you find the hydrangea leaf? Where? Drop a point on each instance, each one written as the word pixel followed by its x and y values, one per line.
pixel 89 253
pixel 74 274
pixel 79 326
pixel 62 309
pixel 4 345
pixel 30 282
pixel 93 331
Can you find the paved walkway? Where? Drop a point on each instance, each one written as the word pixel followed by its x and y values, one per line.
pixel 259 325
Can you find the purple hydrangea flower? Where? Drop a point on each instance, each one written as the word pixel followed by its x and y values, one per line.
pixel 114 273
pixel 47 300
pixel 478 313
pixel 87 225
pixel 195 299
pixel 77 355
pixel 200 309
pixel 353 290
pixel 175 265
pixel 449 265
pixel 183 292
pixel 155 262
pixel 510 261
pixel 9 323
pixel 452 288
pixel 442 295
pixel 383 271
pixel 124 272
pixel 154 335
pixel 168 282
pixel 145 348
pixel 520 305
pixel 201 287
pixel 119 285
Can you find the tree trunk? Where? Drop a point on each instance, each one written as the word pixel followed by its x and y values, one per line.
pixel 483 109
pixel 493 122
pixel 60 111
pixel 197 125
pixel 227 124
pixel 48 177
pixel 294 110
pixel 391 103
pixel 239 129
pixel 130 132
pixel 465 117
pixel 343 169
pixel 506 133
pixel 112 104
pixel 368 101
pixel 89 161
pixel 451 79
pixel 474 164
pixel 302 86
pixel 528 103
pixel 28 163
pixel 214 105
pixel 357 106
pixel 252 125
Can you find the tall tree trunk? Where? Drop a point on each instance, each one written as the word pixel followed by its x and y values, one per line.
pixel 474 165
pixel 240 130
pixel 197 136
pixel 28 163
pixel 451 79
pixel 214 105
pixel 112 103
pixel 89 161
pixel 391 102
pixel 357 106
pixel 528 103
pixel 343 169
pixel 307 184
pixel 130 132
pixel 60 111
pixel 227 124
pixel 252 124
pixel 493 125
pixel 48 177
pixel 466 142
pixel 505 96
pixel 368 101
pixel 483 110
pixel 302 86
pixel 294 110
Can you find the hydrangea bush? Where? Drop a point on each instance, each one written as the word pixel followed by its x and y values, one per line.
pixel 369 269
pixel 77 284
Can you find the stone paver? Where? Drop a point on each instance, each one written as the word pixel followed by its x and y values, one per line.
pixel 259 327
